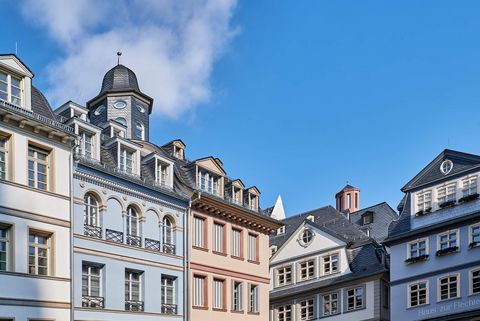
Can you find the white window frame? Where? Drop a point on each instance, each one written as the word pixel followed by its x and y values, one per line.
pixel 10 84
pixel 237 195
pixel 252 244
pixel 130 281
pixel 409 293
pixel 310 265
pixel 447 192
pixel 284 312
pixel 470 232
pixel 439 285
pixel 132 221
pixel 36 246
pixel 4 153
pixel 347 296
pixel 139 129
pixel 236 243
pixel 83 144
pixel 162 173
pixel 219 237
pixel 284 272
pixel 89 275
pixel 424 200
pixel 208 182
pixel 91 210
pixel 417 241
pixel 218 294
pixel 199 235
pixel 253 298
pixel 237 296
pixel 6 241
pixel 199 294
pixel 36 161
pixel 329 263
pixel 127 161
pixel 307 308
pixel 330 301
pixel 469 186
pixel 168 282
pixel 252 202
pixel 470 280
pixel 448 241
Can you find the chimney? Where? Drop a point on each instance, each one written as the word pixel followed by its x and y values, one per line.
pixel 348 199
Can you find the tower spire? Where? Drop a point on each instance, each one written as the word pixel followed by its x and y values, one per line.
pixel 119 53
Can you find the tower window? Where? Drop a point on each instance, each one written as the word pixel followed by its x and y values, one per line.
pixel 139 131
pixel 121 120
pixel 120 104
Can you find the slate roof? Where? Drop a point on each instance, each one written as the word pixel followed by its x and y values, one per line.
pixel 383 215
pixel 40 104
pixel 326 218
pixel 119 78
pixel 363 261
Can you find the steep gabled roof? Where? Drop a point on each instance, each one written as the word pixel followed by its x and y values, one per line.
pixel 383 216
pixel 462 162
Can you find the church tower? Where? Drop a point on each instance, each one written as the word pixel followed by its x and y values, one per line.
pixel 121 101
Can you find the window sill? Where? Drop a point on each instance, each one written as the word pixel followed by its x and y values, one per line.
pixel 219 253
pixel 447 251
pixel 418 306
pixel 199 308
pixel 253 313
pixel 417 259
pixel 219 310
pixel 237 311
pixel 237 258
pixel 200 248
pixel 451 299
pixel 254 262
pixel 473 245
pixel 354 310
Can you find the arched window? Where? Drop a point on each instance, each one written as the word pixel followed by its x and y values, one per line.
pixel 168 236
pixel 121 120
pixel 139 131
pixel 133 227
pixel 91 220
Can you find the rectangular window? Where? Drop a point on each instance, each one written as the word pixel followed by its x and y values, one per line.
pixel 448 287
pixel 86 144
pixel 4 248
pixel 208 182
pixel 92 285
pixel 386 295
pixel 162 173
pixel 330 264
pixel 237 195
pixel 349 201
pixel 168 290
pixel 133 291
pixel 10 88
pixel 307 310
pixel 418 294
pixel 330 304
pixel 307 270
pixel 355 298
pixel 475 281
pixel 199 291
pixel 199 232
pixel 417 248
pixel 469 186
pixel 448 240
pixel 16 91
pixel 3 86
pixel 424 201
pixel 446 193
pixel 367 218
pixel 252 248
pixel 37 167
pixel 253 202
pixel 284 275
pixel 127 160
pixel 237 243
pixel 218 238
pixel 474 235
pixel 218 294
pixel 284 313
pixel 38 253
pixel 237 298
pixel 3 157
pixel 253 298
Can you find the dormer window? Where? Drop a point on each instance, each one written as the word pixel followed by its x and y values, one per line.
pixel 252 202
pixel 208 182
pixel 367 218
pixel 139 131
pixel 127 160
pixel 10 88
pixel 446 166
pixel 237 195
pixel 162 173
pixel 424 201
pixel 469 186
pixel 86 144
pixel 446 194
pixel 177 152
pixel 281 230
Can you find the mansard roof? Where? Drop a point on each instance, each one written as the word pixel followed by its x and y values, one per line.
pixel 327 219
pixel 383 215
pixel 40 104
pixel 364 261
pixel 462 162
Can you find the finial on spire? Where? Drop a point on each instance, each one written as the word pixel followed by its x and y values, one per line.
pixel 119 53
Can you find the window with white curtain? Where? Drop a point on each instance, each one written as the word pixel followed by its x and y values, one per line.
pixel 236 243
pixel 218 238
pixel 199 232
pixel 199 294
pixel 252 248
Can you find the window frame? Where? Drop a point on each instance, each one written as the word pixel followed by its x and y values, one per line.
pixel 449 194
pixel 219 248
pixel 83 143
pixel 164 289
pixel 204 238
pixel 287 313
pixel 409 293
pixel 467 185
pixel 470 281
pixel 307 268
pixel 36 161
pixel 329 255
pixel 48 247
pixel 427 247
pixel 240 243
pixel 347 296
pixel 223 294
pixel 330 300
pixel 255 307
pixel 439 287
pixel 448 233
pixel 204 292
pixel 282 271
pixel 7 242
pixel 471 234
pixel 5 151
pixel 89 276
pixel 307 306
pixel 250 258
pixel 421 205
pixel 10 85
pixel 126 164
pixel 240 292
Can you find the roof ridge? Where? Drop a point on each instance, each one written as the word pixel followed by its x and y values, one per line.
pixel 366 208
pixel 317 209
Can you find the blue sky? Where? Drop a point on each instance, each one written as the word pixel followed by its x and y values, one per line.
pixel 302 96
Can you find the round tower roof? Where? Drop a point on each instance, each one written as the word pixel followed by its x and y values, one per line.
pixel 119 78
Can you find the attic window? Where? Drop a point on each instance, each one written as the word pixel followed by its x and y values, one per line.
pixel 311 218
pixel 446 166
pixel 306 237
pixel 177 152
pixel 10 88
pixel 367 218
pixel 273 250
pixel 208 182
pixel 162 173
pixel 281 230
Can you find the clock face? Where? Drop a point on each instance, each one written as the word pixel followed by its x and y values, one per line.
pixel 120 104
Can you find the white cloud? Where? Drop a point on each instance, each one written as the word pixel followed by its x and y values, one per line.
pixel 170 44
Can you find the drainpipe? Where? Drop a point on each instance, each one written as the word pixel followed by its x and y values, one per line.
pixel 186 296
pixel 70 178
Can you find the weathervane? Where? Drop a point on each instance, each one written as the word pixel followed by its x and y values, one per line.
pixel 119 53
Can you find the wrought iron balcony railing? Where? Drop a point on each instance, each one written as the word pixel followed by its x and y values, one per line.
pixel 114 236
pixel 153 245
pixel 168 248
pixel 134 240
pixel 134 305
pixel 92 231
pixel 93 302
pixel 169 308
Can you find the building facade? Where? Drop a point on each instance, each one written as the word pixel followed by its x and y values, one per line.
pixel 128 220
pixel 435 254
pixel 35 203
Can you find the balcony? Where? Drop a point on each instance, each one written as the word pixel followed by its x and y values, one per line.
pixel 168 248
pixel 114 236
pixel 92 231
pixel 134 240
pixel 93 302
pixel 153 245
pixel 169 308
pixel 133 305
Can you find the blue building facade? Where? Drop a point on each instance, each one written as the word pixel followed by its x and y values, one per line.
pixel 128 218
pixel 435 253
